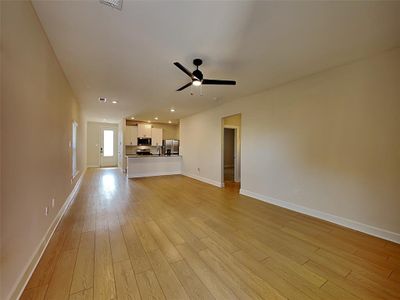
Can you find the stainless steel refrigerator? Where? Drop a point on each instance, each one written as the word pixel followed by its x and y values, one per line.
pixel 171 147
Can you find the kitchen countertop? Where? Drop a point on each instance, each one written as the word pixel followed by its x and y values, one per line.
pixel 149 156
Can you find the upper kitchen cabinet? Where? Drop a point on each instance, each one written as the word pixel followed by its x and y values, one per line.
pixel 156 136
pixel 131 135
pixel 144 131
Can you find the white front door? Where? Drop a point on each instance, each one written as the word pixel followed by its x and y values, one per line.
pixel 108 147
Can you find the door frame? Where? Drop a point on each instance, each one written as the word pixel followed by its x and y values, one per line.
pixel 236 152
pixel 115 141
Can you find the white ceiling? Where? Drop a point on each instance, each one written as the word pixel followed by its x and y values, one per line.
pixel 127 55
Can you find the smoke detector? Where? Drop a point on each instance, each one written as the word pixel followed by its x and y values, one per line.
pixel 113 3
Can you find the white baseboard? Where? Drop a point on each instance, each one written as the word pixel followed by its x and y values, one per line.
pixel 35 258
pixel 93 166
pixel 206 180
pixel 368 229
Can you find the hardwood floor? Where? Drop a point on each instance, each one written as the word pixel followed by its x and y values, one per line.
pixel 176 238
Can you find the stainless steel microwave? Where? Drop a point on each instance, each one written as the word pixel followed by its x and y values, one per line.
pixel 144 141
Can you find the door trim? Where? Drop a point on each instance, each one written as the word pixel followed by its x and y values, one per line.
pixel 236 152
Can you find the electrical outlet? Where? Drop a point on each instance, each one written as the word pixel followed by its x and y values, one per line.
pixel 46 210
pixel 53 202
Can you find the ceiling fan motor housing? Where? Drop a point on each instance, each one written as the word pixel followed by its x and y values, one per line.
pixel 198 74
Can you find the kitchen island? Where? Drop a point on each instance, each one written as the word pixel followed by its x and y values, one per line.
pixel 153 165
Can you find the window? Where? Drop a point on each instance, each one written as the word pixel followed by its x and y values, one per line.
pixel 73 148
pixel 108 143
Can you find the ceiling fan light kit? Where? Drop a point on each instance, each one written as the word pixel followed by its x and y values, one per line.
pixel 197 76
pixel 196 82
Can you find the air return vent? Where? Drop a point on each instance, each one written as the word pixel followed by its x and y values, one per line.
pixel 113 3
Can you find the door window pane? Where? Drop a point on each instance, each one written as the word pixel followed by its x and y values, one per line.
pixel 108 142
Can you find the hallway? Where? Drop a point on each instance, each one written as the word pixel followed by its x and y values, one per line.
pixel 176 238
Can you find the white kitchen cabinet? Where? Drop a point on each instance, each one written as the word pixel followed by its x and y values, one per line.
pixel 131 135
pixel 144 131
pixel 156 136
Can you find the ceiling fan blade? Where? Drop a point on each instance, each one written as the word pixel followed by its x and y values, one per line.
pixel 219 82
pixel 184 87
pixel 183 69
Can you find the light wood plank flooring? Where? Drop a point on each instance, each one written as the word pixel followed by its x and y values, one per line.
pixel 176 238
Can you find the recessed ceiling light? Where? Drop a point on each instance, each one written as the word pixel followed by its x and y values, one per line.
pixel 169 122
pixel 172 110
pixel 114 102
pixel 132 118
pixel 156 118
pixel 103 99
pixel 148 121
pixel 113 3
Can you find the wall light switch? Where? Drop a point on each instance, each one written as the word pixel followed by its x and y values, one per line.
pixel 46 210
pixel 53 202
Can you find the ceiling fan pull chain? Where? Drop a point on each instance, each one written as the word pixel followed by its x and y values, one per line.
pixel 201 90
pixel 191 89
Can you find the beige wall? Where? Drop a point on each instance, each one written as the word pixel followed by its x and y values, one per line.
pixel 328 142
pixel 93 142
pixel 37 112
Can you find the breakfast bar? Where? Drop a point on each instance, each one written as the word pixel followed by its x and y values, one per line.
pixel 153 165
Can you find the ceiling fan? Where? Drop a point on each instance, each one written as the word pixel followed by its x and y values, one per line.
pixel 197 76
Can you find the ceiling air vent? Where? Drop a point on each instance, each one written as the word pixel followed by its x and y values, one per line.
pixel 113 3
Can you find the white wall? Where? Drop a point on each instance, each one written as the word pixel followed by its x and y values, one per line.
pixel 328 142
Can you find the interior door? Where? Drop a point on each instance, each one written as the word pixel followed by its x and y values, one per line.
pixel 108 147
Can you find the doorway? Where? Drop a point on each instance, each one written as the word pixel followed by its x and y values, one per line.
pixel 231 151
pixel 108 147
pixel 229 154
